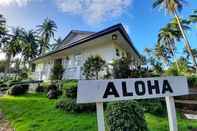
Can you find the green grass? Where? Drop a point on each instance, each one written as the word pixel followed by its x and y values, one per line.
pixel 36 113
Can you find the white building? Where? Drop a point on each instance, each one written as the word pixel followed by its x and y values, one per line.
pixel 111 43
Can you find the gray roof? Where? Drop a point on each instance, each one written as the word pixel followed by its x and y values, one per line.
pixel 90 36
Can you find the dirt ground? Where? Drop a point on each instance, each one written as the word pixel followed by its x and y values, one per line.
pixel 4 124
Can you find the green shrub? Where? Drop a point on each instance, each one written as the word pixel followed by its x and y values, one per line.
pixel 125 116
pixel 70 105
pixel 70 88
pixel 40 89
pixel 18 90
pixel 192 81
pixel 57 71
pixel 121 68
pixel 93 66
pixel 153 106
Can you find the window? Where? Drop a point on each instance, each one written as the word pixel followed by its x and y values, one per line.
pixel 117 52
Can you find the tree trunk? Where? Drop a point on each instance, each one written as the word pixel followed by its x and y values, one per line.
pixel 186 41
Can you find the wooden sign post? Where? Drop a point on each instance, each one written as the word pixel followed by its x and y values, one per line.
pixel 99 91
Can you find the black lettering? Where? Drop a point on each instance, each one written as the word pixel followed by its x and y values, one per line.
pixel 124 90
pixel 155 87
pixel 110 90
pixel 139 84
pixel 166 87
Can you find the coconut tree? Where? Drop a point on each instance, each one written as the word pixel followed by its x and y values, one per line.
pixel 194 51
pixel 167 37
pixel 57 43
pixel 172 7
pixel 161 52
pixel 30 45
pixel 46 31
pixel 193 17
pixel 11 46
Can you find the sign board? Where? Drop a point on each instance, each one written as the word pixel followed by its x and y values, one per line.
pixel 92 91
pixel 99 91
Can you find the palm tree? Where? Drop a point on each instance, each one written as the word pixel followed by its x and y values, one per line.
pixel 57 43
pixel 193 17
pixel 172 6
pixel 46 31
pixel 30 45
pixel 11 46
pixel 194 51
pixel 161 52
pixel 167 37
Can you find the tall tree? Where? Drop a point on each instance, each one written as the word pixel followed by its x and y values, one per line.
pixel 173 6
pixel 30 45
pixel 11 46
pixel 46 31
pixel 57 43
pixel 193 17
pixel 168 37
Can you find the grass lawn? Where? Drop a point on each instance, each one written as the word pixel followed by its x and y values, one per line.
pixel 36 113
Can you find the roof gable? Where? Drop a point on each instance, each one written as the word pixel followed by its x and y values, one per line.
pixel 74 36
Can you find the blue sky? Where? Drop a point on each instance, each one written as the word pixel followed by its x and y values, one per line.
pixel 140 20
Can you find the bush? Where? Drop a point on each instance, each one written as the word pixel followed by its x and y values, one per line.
pixel 18 90
pixel 40 89
pixel 52 94
pixel 121 68
pixel 3 87
pixel 70 88
pixel 192 81
pixel 125 116
pixel 153 106
pixel 57 71
pixel 93 66
pixel 70 105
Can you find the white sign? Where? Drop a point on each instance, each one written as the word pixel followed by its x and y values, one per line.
pixel 92 91
pixel 99 91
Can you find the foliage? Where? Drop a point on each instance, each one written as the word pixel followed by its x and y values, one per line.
pixel 192 81
pixel 125 116
pixel 23 74
pixel 70 105
pixel 57 71
pixel 92 66
pixel 183 67
pixel 153 106
pixel 40 89
pixel 46 31
pixel 2 65
pixel 156 64
pixel 121 68
pixel 18 90
pixel 70 88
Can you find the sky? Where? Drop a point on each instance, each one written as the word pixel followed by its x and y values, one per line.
pixel 140 20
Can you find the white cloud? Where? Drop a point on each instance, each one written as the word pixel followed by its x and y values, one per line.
pixel 14 2
pixel 94 11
